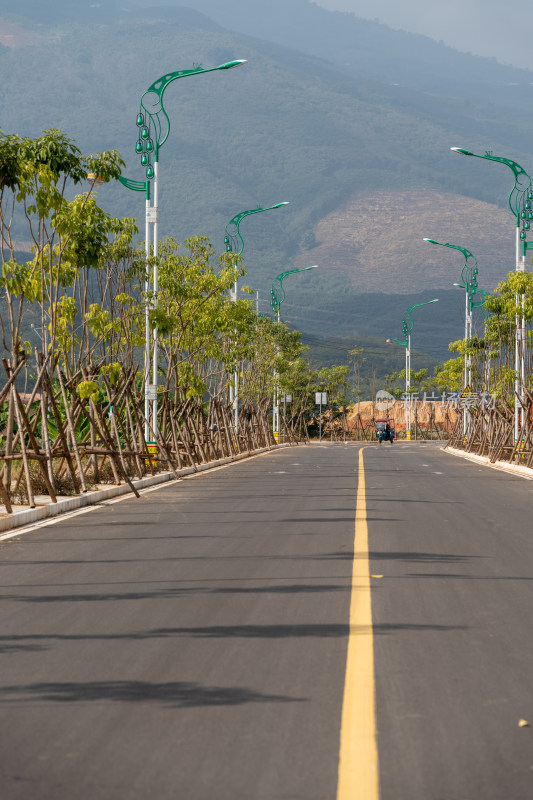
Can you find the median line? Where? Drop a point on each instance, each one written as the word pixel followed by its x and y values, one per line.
pixel 358 760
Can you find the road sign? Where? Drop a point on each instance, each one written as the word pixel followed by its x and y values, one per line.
pixel 153 451
pixel 321 398
pixel 150 391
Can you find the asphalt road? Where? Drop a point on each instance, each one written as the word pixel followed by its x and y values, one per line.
pixel 453 625
pixel 192 644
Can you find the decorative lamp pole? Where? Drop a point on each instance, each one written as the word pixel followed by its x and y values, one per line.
pixel 235 244
pixel 407 326
pixel 469 275
pixel 521 205
pixel 277 296
pixel 153 131
pixel 277 292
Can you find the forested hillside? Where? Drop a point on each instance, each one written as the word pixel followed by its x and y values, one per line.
pixel 287 126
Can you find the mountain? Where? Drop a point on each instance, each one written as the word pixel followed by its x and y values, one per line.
pixel 365 164
pixel 371 49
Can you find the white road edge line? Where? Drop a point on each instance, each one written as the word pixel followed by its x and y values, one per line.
pixel 69 514
pixel 511 469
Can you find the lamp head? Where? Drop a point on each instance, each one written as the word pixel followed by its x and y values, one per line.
pixel 431 241
pixel 231 64
pixel 460 285
pixel 462 150
pixel 278 205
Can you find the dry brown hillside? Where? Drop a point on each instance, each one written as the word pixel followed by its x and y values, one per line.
pixel 12 35
pixel 376 240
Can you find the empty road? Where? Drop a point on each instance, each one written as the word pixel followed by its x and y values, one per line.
pixel 324 622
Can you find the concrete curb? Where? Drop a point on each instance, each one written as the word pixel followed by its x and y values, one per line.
pixel 28 516
pixel 515 469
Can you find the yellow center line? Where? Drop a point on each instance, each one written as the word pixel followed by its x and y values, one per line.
pixel 358 760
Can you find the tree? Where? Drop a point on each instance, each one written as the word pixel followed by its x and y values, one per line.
pixel 35 177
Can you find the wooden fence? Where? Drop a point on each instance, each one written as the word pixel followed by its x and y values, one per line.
pixel 490 432
pixel 59 440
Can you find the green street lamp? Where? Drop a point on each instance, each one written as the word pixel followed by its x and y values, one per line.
pixel 469 275
pixel 235 244
pixel 233 239
pixel 277 292
pixel 521 205
pixel 153 127
pixel 469 283
pixel 277 296
pixel 407 327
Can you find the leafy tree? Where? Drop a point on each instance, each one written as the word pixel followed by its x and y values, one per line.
pixel 35 176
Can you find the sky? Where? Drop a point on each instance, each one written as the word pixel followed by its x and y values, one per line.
pixel 484 27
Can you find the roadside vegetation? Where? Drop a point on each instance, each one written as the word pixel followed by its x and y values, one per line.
pixel 73 335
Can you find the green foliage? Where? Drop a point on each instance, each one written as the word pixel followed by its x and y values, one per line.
pixel 514 296
pixel 449 376
pixel 113 372
pixel 88 390
pixel 50 158
pixel 334 381
pixel 20 279
pixel 99 322
pixel 67 236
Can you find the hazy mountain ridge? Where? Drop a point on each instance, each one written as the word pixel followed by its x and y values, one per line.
pixel 288 126
pixel 367 47
pixel 372 49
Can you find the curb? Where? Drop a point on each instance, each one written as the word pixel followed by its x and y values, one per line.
pixel 515 469
pixel 20 519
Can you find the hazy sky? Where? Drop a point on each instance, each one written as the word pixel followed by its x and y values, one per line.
pixel 483 27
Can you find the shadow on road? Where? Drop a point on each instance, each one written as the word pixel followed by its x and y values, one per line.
pixel 175 695
pixel 35 642
pixel 172 593
pixel 426 558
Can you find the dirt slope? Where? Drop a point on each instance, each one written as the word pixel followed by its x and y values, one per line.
pixel 377 240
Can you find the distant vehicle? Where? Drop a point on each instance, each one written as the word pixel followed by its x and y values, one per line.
pixel 384 431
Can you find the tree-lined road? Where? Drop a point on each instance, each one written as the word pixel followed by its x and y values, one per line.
pixel 193 643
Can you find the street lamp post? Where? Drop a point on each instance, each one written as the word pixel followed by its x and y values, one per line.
pixel 469 274
pixel 153 131
pixel 144 186
pixel 407 326
pixel 277 292
pixel 235 244
pixel 520 204
pixel 277 296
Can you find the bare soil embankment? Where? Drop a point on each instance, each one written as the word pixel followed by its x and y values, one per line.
pixel 427 415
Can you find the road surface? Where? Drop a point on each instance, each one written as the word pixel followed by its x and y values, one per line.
pixel 194 643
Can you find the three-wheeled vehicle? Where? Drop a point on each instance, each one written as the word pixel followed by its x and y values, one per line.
pixel 384 431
